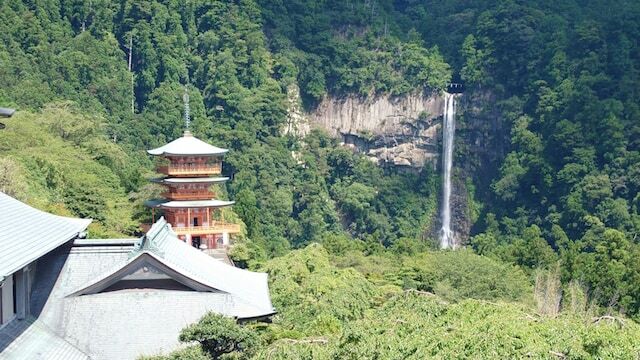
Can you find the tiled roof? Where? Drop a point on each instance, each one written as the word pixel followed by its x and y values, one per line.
pixel 6 112
pixel 251 286
pixel 187 145
pixel 164 246
pixel 29 339
pixel 190 180
pixel 188 203
pixel 27 233
pixel 126 323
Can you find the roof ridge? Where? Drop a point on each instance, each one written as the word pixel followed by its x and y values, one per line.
pixel 147 241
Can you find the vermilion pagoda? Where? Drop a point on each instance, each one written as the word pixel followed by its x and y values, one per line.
pixel 191 167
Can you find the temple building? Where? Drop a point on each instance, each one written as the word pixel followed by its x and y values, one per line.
pixel 65 297
pixel 191 168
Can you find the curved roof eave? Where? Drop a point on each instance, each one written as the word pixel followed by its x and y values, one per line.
pixel 17 221
pixel 176 204
pixel 188 145
pixel 187 154
pixel 197 203
pixel 205 180
pixel 250 286
pixel 103 282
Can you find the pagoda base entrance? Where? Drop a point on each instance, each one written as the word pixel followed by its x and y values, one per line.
pixel 208 241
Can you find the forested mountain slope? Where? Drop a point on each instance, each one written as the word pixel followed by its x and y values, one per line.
pixel 238 91
pixel 564 76
pixel 551 89
pixel 329 312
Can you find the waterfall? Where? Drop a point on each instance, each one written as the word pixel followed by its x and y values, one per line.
pixel 448 132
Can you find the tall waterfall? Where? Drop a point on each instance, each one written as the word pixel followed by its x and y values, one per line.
pixel 448 131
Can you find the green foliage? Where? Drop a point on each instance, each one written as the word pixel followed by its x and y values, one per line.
pixel 452 275
pixel 329 312
pixel 474 71
pixel 343 48
pixel 12 178
pixel 456 276
pixel 312 296
pixel 561 76
pixel 237 87
pixel 61 171
pixel 193 352
pixel 605 262
pixel 414 326
pixel 220 337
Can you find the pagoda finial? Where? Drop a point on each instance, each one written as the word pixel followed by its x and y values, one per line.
pixel 185 98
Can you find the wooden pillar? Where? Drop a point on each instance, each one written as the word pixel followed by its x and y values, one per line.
pixel 188 217
pixel 208 217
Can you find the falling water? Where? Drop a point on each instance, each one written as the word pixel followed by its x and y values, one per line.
pixel 448 131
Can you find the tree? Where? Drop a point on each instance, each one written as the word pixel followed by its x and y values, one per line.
pixel 219 335
pixel 475 69
pixel 605 265
pixel 12 178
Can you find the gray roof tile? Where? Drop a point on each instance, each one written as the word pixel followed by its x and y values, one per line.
pixel 124 324
pixel 31 339
pixel 27 233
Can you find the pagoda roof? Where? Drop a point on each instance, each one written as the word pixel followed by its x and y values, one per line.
pixel 20 222
pixel 190 180
pixel 187 145
pixel 164 203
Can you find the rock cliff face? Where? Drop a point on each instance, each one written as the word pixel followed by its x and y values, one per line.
pixel 400 131
pixel 480 141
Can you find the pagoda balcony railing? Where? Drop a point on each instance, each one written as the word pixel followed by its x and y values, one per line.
pixel 189 195
pixel 190 170
pixel 215 227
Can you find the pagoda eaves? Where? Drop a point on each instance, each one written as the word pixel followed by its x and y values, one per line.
pixel 183 180
pixel 213 203
pixel 188 145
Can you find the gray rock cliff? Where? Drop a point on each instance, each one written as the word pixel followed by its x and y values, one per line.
pixel 399 131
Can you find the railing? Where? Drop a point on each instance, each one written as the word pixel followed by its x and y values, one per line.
pixel 189 195
pixel 190 170
pixel 214 228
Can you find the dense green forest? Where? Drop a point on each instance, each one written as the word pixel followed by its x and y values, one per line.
pixel 349 245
